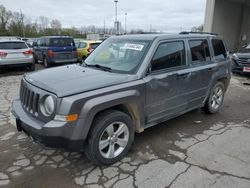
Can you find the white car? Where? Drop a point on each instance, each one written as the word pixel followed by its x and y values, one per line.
pixel 15 53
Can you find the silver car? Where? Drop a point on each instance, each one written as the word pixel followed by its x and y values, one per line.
pixel 15 53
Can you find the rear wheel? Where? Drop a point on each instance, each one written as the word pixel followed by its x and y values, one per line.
pixel 110 138
pixel 215 100
pixel 31 67
pixel 45 62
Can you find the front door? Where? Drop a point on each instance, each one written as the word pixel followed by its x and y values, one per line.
pixel 164 83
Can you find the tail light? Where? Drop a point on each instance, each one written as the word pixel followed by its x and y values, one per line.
pixel 74 53
pixel 90 49
pixel 50 53
pixel 3 54
pixel 29 52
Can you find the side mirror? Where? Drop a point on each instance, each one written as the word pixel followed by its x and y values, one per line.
pixel 244 46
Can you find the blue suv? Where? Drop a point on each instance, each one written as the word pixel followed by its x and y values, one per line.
pixel 55 50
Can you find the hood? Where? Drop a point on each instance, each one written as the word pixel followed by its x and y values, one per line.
pixel 74 79
pixel 245 55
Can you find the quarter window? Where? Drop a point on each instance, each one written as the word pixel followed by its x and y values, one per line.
pixel 199 50
pixel 168 55
pixel 219 49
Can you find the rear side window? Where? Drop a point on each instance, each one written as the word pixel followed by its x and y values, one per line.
pixel 219 49
pixel 168 55
pixel 199 50
pixel 61 42
pixel 12 45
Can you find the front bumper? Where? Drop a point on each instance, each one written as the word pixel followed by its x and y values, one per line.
pixel 49 134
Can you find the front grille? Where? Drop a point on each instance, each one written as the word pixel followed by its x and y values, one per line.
pixel 244 61
pixel 29 99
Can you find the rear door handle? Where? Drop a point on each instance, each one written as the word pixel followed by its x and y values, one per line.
pixel 209 69
pixel 182 75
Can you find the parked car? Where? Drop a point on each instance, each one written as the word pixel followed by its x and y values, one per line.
pixel 241 60
pixel 55 50
pixel 85 47
pixel 15 52
pixel 100 104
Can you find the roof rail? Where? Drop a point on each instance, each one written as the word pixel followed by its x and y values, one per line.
pixel 192 32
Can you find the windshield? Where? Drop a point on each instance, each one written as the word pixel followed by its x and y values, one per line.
pixel 119 55
pixel 12 45
pixel 248 46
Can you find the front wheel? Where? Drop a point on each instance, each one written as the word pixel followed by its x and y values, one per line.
pixel 215 100
pixel 110 138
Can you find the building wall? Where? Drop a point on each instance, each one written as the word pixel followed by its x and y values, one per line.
pixel 244 37
pixel 227 21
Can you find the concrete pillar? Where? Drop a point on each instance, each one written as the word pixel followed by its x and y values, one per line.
pixel 209 16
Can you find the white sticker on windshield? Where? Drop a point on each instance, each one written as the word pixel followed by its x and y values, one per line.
pixel 137 47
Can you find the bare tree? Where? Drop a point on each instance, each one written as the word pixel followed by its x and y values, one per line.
pixel 43 22
pixel 56 24
pixel 5 17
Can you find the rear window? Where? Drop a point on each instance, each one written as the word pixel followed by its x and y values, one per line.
pixel 219 49
pixel 95 45
pixel 12 45
pixel 61 42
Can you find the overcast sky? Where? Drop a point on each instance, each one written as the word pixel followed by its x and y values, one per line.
pixel 163 15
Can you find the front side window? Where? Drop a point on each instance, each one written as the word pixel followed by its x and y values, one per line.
pixel 199 50
pixel 168 55
pixel 119 55
pixel 82 45
pixel 219 49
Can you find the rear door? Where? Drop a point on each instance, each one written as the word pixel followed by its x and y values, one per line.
pixel 166 84
pixel 202 69
pixel 63 48
pixel 38 51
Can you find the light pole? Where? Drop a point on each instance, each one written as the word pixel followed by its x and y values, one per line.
pixel 126 23
pixel 116 24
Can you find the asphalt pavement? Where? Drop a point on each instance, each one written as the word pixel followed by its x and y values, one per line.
pixel 194 150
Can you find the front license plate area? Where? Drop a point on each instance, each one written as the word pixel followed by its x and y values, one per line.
pixel 246 69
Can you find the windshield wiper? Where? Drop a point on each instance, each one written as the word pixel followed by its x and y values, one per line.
pixel 104 68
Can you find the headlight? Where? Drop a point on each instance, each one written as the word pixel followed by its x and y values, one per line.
pixel 235 56
pixel 47 107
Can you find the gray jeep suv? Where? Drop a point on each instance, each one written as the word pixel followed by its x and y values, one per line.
pixel 129 83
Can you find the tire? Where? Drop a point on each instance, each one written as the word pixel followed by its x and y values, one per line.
pixel 35 59
pixel 31 67
pixel 83 58
pixel 215 101
pixel 46 63
pixel 101 130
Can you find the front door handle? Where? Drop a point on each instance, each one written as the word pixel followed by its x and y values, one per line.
pixel 182 75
